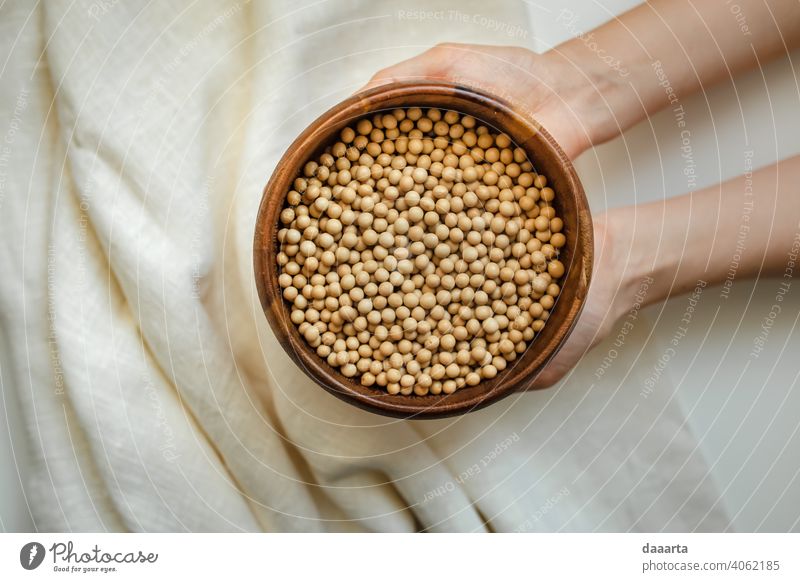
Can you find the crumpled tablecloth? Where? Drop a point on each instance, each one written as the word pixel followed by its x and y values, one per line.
pixel 136 141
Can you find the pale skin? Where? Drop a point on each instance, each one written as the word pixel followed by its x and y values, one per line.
pixel 582 102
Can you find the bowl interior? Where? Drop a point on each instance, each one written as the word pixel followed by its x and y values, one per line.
pixel 547 158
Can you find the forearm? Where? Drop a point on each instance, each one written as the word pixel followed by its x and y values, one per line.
pixel 667 49
pixel 742 228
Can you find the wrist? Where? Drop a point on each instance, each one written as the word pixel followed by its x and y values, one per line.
pixel 588 91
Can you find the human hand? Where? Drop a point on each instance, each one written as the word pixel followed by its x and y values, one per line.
pixel 557 94
pixel 549 88
pixel 616 280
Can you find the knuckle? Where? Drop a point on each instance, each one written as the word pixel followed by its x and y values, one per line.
pixel 444 48
pixel 382 73
pixel 549 376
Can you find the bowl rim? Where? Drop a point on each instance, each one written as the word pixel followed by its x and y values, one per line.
pixel 265 252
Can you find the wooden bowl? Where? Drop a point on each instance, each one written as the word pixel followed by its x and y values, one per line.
pixel 547 158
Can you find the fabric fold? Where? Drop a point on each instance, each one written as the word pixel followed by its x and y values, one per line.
pixel 155 395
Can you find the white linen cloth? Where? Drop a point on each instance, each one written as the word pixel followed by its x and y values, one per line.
pixel 137 140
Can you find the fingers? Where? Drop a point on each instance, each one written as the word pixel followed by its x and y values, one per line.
pixel 552 373
pixel 574 348
pixel 435 63
pixel 421 67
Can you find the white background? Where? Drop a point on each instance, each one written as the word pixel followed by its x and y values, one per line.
pixel 562 557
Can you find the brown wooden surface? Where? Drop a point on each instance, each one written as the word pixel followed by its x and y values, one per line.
pixel 570 203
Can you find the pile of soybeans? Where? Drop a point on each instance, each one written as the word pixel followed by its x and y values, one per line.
pixel 419 253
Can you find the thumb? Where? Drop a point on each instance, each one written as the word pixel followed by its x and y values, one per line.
pixel 434 63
